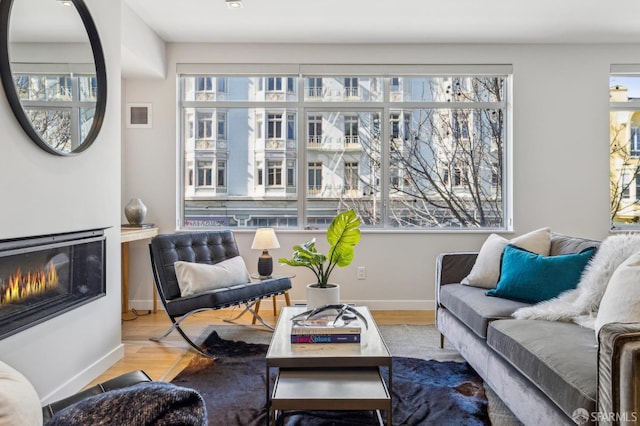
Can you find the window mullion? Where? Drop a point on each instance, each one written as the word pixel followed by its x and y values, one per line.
pixel 301 156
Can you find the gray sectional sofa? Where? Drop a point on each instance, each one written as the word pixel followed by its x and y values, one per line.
pixel 546 372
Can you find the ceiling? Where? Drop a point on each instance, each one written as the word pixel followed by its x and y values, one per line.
pixel 393 21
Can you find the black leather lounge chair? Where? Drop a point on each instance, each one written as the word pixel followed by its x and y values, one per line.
pixel 209 247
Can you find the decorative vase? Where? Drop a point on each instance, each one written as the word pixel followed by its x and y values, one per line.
pixel 318 296
pixel 135 211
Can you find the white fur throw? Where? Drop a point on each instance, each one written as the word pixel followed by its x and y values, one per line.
pixel 581 304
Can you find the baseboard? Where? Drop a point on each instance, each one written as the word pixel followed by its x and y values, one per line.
pixel 380 305
pixel 86 376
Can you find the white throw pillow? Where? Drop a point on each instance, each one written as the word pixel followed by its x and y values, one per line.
pixel 486 270
pixel 198 277
pixel 621 300
pixel 19 401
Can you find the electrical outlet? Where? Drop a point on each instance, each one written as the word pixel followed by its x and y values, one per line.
pixel 361 273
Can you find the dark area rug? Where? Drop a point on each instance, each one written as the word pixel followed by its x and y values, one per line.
pixel 424 392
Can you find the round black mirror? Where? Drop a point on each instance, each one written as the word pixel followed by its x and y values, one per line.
pixel 53 72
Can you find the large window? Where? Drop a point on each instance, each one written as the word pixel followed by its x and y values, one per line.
pixel 624 147
pixel 405 147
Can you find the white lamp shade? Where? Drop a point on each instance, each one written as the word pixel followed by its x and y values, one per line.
pixel 265 239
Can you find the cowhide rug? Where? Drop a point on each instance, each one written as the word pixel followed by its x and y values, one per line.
pixel 424 392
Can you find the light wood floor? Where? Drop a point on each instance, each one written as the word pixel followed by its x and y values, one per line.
pixel 164 360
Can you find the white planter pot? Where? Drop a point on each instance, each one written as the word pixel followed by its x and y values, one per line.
pixel 317 296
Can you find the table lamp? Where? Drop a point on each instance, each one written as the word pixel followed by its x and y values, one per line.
pixel 264 240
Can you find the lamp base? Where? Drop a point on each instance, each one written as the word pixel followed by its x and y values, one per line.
pixel 265 265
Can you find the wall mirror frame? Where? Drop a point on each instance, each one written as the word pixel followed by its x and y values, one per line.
pixel 12 93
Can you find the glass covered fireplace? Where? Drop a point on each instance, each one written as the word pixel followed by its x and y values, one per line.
pixel 44 276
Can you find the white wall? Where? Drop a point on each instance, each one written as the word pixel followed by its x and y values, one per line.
pixel 559 157
pixel 45 194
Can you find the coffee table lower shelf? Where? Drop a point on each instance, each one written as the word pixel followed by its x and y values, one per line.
pixel 355 389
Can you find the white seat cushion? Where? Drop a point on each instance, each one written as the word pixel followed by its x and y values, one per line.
pixel 196 278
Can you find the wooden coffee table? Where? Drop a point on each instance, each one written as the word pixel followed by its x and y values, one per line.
pixel 328 376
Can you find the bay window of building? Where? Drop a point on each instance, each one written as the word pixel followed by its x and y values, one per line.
pixel 205 125
pixel 274 173
pixel 351 129
pixel 274 84
pixel 351 178
pixel 274 126
pixel 204 84
pixel 395 125
pixel 391 142
pixel 314 181
pixel 291 173
pixel 313 87
pixel 222 125
pixel 351 87
pixel 624 146
pixel 221 174
pixel 205 173
pixel 315 129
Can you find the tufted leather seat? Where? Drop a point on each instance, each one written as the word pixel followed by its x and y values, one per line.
pixel 209 247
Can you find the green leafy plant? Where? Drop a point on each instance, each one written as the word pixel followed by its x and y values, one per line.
pixel 343 235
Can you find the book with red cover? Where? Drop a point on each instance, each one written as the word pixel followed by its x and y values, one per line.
pixel 325 338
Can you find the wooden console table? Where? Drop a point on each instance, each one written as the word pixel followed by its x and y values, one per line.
pixel 126 236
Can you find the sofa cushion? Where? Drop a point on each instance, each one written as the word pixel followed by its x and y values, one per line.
pixel 473 308
pixel 530 277
pixel 486 270
pixel 560 358
pixel 564 244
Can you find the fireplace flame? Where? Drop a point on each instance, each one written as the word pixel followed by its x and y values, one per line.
pixel 22 286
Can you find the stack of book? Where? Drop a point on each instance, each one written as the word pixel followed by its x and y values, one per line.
pixel 323 330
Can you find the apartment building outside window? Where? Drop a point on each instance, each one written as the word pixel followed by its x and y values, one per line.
pixel 347 142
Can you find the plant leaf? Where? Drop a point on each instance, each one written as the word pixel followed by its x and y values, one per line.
pixel 343 234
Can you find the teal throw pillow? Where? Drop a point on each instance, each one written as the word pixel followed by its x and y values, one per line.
pixel 532 278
